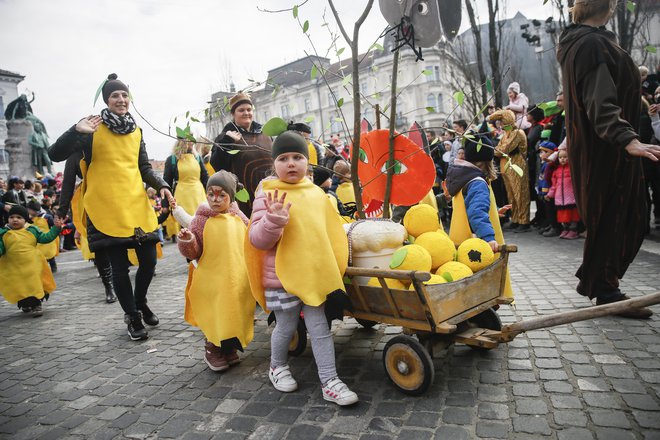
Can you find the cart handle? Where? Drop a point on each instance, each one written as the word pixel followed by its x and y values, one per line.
pixel 388 273
pixel 508 248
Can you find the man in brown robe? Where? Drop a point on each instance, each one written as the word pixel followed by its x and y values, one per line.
pixel 602 98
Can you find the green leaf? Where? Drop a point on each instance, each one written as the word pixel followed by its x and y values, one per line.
pixel 479 145
pixel 340 51
pixel 517 169
pixel 305 26
pixel 447 276
pixel 98 91
pixel 194 119
pixel 362 155
pixel 651 49
pixel 180 133
pixel 631 6
pixel 315 71
pixel 340 102
pixel 187 114
pixel 191 138
pixel 489 85
pixel 347 80
pixel 411 239
pixel 339 119
pixel 398 257
pixel 506 166
pixel 242 195
pixel 308 119
pixel 175 118
pixel 233 151
pixel 468 136
pixel 427 72
pixel 459 97
pixel 274 127
pixel 347 279
pixel 430 109
pixel 295 11
pixel 377 46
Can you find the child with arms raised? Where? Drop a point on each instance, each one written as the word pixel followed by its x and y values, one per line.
pixel 296 254
pixel 218 297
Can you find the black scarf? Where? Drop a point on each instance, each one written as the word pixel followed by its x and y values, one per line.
pixel 118 124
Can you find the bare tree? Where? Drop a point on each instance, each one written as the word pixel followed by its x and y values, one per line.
pixel 494 33
pixel 476 35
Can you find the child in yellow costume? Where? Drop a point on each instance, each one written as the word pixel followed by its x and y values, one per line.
pixel 296 255
pixel 25 278
pixel 218 296
pixel 44 222
pixel 475 211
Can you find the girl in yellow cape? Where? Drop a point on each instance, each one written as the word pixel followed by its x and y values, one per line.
pixel 296 255
pixel 218 296
pixel 25 278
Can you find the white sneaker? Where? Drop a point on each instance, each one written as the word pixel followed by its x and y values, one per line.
pixel 282 379
pixel 336 391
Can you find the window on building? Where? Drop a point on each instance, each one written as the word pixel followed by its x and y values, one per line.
pixel 331 100
pixel 285 111
pixel 429 78
pixel 436 73
pixel 441 103
pixel 368 114
pixel 2 108
pixel 364 89
pixel 336 126
pixel 308 104
pixel 431 101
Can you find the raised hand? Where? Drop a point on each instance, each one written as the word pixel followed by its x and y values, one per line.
pixel 185 235
pixel 89 124
pixel 235 135
pixel 276 205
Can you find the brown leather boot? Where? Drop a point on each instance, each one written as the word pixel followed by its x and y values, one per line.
pixel 637 313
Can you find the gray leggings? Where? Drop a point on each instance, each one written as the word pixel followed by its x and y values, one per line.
pixel 323 346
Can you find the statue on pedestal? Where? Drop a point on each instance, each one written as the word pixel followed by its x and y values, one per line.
pixel 27 146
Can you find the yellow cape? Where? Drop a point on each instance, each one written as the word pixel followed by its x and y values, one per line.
pixel 218 296
pixel 49 250
pixel 311 242
pixel 459 229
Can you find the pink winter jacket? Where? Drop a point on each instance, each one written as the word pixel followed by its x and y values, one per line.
pixel 562 186
pixel 192 249
pixel 264 233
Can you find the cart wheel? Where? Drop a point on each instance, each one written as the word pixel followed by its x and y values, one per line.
pixel 366 323
pixel 488 319
pixel 298 343
pixel 408 365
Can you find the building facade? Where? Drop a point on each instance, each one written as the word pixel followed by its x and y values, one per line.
pixel 291 93
pixel 8 92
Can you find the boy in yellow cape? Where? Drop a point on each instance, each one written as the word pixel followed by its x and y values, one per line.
pixel 475 211
pixel 25 278
pixel 218 296
pixel 296 255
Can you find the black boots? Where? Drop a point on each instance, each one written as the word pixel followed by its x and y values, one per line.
pixel 149 317
pixel 53 265
pixel 105 272
pixel 136 330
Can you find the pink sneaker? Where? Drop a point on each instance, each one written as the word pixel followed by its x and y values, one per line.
pixel 563 234
pixel 572 235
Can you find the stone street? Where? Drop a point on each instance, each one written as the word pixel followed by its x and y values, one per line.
pixel 74 374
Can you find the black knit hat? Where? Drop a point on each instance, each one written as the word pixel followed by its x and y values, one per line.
pixel 486 153
pixel 536 113
pixel 34 205
pixel 299 126
pixel 21 211
pixel 290 142
pixel 112 85
pixel 227 181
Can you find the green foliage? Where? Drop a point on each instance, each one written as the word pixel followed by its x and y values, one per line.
pixel 427 72
pixel 305 26
pixel 340 102
pixel 315 71
pixel 233 151
pixel 479 145
pixel 99 90
pixel 398 257
pixel 308 119
pixel 430 109
pixel 274 127
pixel 295 11
pixel 347 79
pixel 242 195
pixel 651 49
pixel 631 6
pixel 489 85
pixel 377 46
pixel 459 97
pixel 447 276
pixel 340 51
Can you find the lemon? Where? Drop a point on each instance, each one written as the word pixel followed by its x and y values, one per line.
pixel 391 283
pixel 420 219
pixel 454 271
pixel 435 279
pixel 411 257
pixel 440 247
pixel 475 253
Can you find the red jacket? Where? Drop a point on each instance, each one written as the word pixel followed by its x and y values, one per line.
pixel 562 186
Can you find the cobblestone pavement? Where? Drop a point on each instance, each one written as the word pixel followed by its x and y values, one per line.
pixel 73 373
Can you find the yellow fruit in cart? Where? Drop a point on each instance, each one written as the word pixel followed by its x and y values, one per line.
pixel 411 257
pixel 420 219
pixel 391 283
pixel 442 231
pixel 454 271
pixel 441 248
pixel 435 279
pixel 475 253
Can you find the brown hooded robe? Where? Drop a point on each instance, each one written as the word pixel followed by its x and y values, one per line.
pixel 602 94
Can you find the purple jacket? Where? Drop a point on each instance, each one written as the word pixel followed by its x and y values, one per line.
pixel 265 231
pixel 562 186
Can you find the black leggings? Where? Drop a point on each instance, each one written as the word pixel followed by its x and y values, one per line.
pixel 118 256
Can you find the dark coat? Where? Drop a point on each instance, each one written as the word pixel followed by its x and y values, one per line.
pixel 251 164
pixel 72 142
pixel 602 97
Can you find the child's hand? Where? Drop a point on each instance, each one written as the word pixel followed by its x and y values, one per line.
pixel 546 198
pixel 76 237
pixel 503 210
pixel 494 246
pixel 173 204
pixel 57 221
pixel 185 235
pixel 276 206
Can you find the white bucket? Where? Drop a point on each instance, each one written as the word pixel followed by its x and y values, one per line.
pixel 372 260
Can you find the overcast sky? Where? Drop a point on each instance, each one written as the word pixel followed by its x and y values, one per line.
pixel 172 53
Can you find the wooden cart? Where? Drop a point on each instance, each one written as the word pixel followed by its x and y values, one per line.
pixel 434 316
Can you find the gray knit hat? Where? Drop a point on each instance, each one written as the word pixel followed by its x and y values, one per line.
pixel 227 181
pixel 111 85
pixel 290 142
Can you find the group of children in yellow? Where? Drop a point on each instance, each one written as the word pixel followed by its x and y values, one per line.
pixel 235 261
